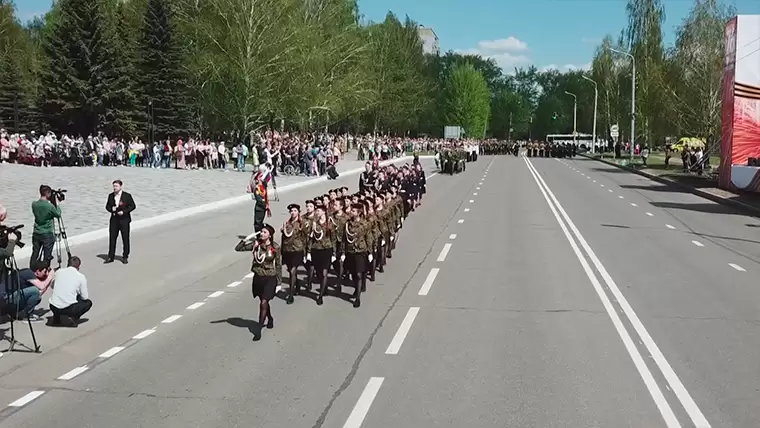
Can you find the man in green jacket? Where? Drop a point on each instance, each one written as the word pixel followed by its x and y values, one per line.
pixel 43 238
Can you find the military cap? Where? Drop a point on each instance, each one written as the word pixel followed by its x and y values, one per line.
pixel 294 206
pixel 270 229
pixel 309 201
pixel 359 207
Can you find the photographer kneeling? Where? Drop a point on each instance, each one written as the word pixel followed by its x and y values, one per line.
pixel 70 298
pixel 43 238
pixel 33 283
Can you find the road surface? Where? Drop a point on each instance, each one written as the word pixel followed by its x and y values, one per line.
pixel 523 293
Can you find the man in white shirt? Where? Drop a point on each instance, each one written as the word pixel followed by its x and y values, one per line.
pixel 70 298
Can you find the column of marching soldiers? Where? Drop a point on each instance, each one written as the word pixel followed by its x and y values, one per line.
pixel 539 149
pixel 352 235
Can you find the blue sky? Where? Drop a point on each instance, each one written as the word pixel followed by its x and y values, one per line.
pixel 547 33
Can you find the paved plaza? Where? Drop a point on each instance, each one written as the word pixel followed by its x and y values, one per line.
pixel 156 191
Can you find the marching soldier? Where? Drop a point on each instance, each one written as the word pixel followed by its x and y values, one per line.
pixel 356 248
pixel 321 248
pixel 339 219
pixel 293 241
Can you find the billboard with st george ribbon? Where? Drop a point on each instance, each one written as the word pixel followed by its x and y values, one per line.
pixel 740 115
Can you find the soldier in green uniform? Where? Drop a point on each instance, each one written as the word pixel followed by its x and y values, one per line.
pixel 383 217
pixel 267 273
pixel 357 249
pixel 373 235
pixel 321 248
pixel 293 241
pixel 338 220
pixel 308 217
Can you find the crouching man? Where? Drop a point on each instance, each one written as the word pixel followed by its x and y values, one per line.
pixel 70 299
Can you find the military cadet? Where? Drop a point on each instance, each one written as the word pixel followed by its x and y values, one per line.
pixel 267 273
pixel 321 248
pixel 383 216
pixel 338 219
pixel 367 177
pixel 373 236
pixel 356 248
pixel 293 242
pixel 308 217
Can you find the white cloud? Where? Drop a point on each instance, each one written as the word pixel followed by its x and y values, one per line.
pixel 510 44
pixel 508 53
pixel 566 67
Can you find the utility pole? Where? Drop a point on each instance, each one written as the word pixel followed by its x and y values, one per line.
pixel 509 135
pixel 530 128
pixel 596 98
pixel 575 117
pixel 633 98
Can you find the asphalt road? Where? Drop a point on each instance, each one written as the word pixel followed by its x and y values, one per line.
pixel 523 293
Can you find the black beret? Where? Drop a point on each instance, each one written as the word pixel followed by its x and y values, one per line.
pixel 296 206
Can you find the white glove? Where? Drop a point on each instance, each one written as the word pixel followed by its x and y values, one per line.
pixel 370 258
pixel 382 242
pixel 251 236
pixel 393 238
pixel 332 259
pixel 343 257
pixel 308 257
pixel 304 259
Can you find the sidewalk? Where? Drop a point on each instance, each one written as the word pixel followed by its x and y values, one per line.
pixel 705 186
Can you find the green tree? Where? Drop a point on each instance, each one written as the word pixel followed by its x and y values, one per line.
pixel 86 83
pixel 164 80
pixel 466 100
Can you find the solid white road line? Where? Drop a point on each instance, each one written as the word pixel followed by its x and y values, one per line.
pixel 444 252
pixel 453 236
pixel 356 418
pixel 425 289
pixel 650 214
pixel 460 221
pixel 698 244
pixel 695 414
pixel 669 226
pixel 171 319
pixel 216 294
pixel 196 305
pixel 403 330
pixel 143 334
pixel 249 276
pixel 26 399
pixel 111 352
pixel 234 284
pixel 74 373
pixel 466 210
pixel 737 267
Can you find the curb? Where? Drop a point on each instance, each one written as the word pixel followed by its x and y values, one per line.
pixel 747 209
pixel 146 223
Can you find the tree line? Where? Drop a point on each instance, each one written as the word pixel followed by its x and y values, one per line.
pixel 170 68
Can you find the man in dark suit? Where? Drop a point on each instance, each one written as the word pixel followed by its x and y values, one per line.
pixel 120 204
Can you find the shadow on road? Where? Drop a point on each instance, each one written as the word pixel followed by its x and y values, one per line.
pixel 253 326
pixel 611 170
pixel 658 188
pixel 704 208
pixel 617 226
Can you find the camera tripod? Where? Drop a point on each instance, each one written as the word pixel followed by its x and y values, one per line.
pixel 9 276
pixel 61 236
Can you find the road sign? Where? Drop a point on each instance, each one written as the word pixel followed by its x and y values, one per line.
pixel 614 131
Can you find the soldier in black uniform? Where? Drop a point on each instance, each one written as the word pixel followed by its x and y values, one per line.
pixel 356 251
pixel 321 248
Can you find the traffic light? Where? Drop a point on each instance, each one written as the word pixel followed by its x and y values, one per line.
pixel 554 116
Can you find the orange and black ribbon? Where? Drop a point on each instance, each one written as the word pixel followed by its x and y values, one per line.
pixel 746 91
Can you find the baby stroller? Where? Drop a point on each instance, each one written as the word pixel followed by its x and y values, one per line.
pixel 289 166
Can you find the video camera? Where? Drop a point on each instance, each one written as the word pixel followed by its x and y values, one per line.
pixel 5 231
pixel 58 195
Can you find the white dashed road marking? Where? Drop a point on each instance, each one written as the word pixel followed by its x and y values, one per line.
pixel 171 319
pixel 196 305
pixel 74 373
pixel 620 196
pixel 425 289
pixel 111 352
pixel 216 294
pixel 650 214
pixel 466 210
pixel 609 190
pixel 670 227
pixel 234 284
pixel 453 236
pixel 444 252
pixel 143 334
pixel 472 200
pixel 362 406
pixel 26 399
pixel 402 331
pixel 460 221
pixel 737 267
pixel 249 276
pixel 698 244
pixel 633 205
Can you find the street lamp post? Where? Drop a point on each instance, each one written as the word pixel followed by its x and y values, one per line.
pixel 633 98
pixel 575 117
pixel 596 98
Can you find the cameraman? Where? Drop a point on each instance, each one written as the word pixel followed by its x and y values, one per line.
pixel 33 283
pixel 7 250
pixel 70 298
pixel 43 238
